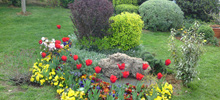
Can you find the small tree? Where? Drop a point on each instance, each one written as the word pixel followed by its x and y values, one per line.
pixel 186 58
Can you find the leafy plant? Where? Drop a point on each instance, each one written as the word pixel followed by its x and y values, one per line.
pixel 186 58
pixel 91 18
pixel 209 34
pixel 197 8
pixel 16 3
pixel 126 31
pixel 161 20
pixel 118 2
pixel 126 8
pixel 65 3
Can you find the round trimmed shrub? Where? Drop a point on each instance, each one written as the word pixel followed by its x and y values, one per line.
pixel 161 15
pixel 126 8
pixel 126 31
pixel 209 33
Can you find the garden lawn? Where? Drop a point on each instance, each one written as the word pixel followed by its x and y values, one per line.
pixel 19 36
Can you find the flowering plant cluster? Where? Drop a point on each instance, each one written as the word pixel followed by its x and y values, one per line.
pixel 79 80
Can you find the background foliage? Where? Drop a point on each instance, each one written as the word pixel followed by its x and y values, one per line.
pixel 118 2
pixel 126 8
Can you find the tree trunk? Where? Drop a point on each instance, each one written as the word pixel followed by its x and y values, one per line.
pixel 23 6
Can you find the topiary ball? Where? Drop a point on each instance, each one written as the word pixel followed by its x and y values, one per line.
pixel 207 30
pixel 161 15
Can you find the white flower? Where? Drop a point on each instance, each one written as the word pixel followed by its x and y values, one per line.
pixel 45 44
pixel 51 46
pixel 53 40
pixel 40 52
pixel 43 38
pixel 62 45
pixel 46 40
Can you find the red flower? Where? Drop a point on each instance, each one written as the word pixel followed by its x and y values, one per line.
pixel 43 54
pixel 159 75
pixel 122 66
pixel 127 83
pixel 40 41
pixel 65 39
pixel 58 26
pixel 139 76
pixel 64 58
pixel 125 74
pixel 88 62
pixel 113 78
pixel 98 69
pixel 145 66
pixel 75 57
pixel 78 66
pixel 57 42
pixel 167 62
pixel 58 46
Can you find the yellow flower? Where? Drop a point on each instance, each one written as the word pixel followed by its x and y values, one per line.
pixel 60 85
pixel 37 78
pixel 83 76
pixel 53 73
pixel 73 98
pixel 51 83
pixel 62 78
pixel 35 64
pixel 60 91
pixel 90 77
pixel 34 70
pixel 53 70
pixel 40 64
pixel 63 97
pixel 50 77
pixel 56 78
pixel 42 81
pixel 56 83
pixel 158 98
pixel 94 74
pixel 81 94
pixel 181 29
pixel 142 98
pixel 32 79
pixel 66 46
pixel 205 41
pixel 71 93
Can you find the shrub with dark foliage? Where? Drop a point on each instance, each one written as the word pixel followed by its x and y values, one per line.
pixel 91 18
pixel 197 8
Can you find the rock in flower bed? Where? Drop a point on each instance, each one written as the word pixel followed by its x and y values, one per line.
pixel 76 79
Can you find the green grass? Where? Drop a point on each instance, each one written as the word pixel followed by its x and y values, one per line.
pixel 19 36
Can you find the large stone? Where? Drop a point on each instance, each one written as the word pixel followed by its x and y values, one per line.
pixel 133 65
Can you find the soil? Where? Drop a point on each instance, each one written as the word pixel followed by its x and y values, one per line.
pixel 26 14
pixel 175 83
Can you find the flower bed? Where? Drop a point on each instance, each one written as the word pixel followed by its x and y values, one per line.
pixel 76 79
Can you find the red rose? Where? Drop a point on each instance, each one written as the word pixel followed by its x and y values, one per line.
pixel 125 74
pixel 58 26
pixel 159 75
pixel 78 66
pixel 167 62
pixel 64 58
pixel 58 46
pixel 113 78
pixel 122 66
pixel 57 42
pixel 98 69
pixel 88 62
pixel 43 54
pixel 145 66
pixel 40 41
pixel 139 76
pixel 75 57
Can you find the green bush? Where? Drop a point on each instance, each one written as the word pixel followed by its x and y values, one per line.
pixel 118 2
pixel 126 8
pixel 126 31
pixel 161 15
pixel 16 3
pixel 197 8
pixel 65 3
pixel 209 33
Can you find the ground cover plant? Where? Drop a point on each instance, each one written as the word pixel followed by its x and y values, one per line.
pixel 154 42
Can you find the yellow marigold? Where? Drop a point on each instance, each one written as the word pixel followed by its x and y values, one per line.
pixel 42 81
pixel 32 79
pixel 59 91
